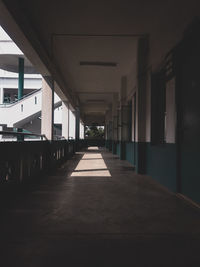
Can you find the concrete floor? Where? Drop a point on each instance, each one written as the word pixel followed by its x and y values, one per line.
pixel 95 211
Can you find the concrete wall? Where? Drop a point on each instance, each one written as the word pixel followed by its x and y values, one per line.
pixel 158 160
pixel 71 125
pixel 33 126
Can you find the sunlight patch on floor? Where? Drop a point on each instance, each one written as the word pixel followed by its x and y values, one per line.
pixel 93 148
pixel 91 164
pixel 92 156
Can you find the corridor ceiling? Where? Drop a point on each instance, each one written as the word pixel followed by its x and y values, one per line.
pixel 89 45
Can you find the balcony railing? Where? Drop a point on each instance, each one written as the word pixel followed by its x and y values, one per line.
pixel 22 161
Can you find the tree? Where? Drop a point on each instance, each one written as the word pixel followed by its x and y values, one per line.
pixel 94 131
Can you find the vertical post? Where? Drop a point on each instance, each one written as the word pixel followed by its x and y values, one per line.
pixel 124 118
pixel 68 121
pixel 20 77
pixel 142 64
pixel 114 120
pixel 105 130
pixel 1 129
pixel 77 133
pixel 84 131
pixel 77 130
pixel 47 107
pixel 65 120
pixel 110 128
pixel 20 138
pixel 1 95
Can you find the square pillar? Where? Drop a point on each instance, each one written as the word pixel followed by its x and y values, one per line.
pixel 1 95
pixel 123 118
pixel 65 120
pixel 114 123
pixel 47 107
pixel 142 66
pixel 77 130
pixel 124 130
pixel 21 78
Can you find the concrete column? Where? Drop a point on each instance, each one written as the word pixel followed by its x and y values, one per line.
pixel 119 124
pixel 106 127
pixel 68 120
pixel 142 58
pixel 84 131
pixel 1 129
pixel 110 127
pixel 47 107
pixel 20 78
pixel 77 130
pixel 108 124
pixel 65 120
pixel 124 118
pixel 115 124
pixel 1 95
pixel 106 131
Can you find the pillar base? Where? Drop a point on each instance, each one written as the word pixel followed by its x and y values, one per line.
pixel 114 147
pixel 122 150
pixel 141 158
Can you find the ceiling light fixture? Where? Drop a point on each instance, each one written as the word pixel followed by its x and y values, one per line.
pixel 98 63
pixel 96 100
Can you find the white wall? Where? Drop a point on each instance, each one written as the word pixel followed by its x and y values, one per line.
pixel 24 110
pixel 58 115
pixel 81 130
pixel 71 125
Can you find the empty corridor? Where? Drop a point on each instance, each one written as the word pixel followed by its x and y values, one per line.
pixel 95 211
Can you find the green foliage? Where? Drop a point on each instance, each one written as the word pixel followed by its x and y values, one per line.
pixel 94 131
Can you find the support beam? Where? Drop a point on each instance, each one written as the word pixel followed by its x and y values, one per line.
pixel 65 120
pixel 47 107
pixel 142 61
pixel 114 123
pixel 124 118
pixel 20 78
pixel 109 126
pixel 77 130
pixel 84 130
pixel 1 129
pixel 1 95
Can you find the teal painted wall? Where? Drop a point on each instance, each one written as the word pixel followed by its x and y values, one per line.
pixel 118 149
pixel 107 143
pixel 190 182
pixel 161 164
pixel 157 161
pixel 130 152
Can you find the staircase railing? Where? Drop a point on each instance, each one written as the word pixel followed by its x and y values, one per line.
pixel 7 105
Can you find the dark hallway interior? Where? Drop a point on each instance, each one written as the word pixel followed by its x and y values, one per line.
pixel 131 196
pixel 109 216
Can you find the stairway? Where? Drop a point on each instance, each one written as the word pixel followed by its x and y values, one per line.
pixel 24 110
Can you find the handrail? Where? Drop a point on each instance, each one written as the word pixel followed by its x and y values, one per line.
pixel 22 134
pixel 18 100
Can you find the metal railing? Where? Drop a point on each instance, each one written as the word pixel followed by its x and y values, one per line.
pixel 24 161
pixel 21 135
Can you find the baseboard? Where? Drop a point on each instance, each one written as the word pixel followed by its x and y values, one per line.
pixel 188 200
